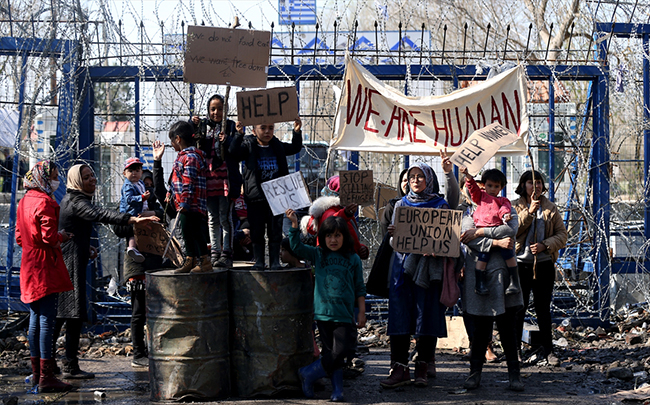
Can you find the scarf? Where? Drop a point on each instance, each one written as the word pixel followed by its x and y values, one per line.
pixel 38 178
pixel 75 181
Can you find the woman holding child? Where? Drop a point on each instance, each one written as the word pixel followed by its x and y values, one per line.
pixel 499 299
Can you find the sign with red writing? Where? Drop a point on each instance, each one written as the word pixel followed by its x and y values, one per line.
pixel 374 117
pixel 481 146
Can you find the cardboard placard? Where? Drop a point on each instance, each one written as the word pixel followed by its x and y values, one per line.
pixel 286 192
pixel 356 186
pixel 278 104
pixel 484 143
pixel 152 237
pixel 427 230
pixel 383 194
pixel 237 57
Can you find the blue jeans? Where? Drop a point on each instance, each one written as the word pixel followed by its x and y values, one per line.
pixel 220 223
pixel 42 317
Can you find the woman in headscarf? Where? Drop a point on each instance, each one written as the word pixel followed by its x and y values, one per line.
pixel 412 308
pixel 42 272
pixel 78 213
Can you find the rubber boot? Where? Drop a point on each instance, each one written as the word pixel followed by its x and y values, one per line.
pixel 514 376
pixel 36 370
pixel 513 288
pixel 309 374
pixel 72 371
pixel 399 375
pixel 474 379
pixel 480 287
pixel 421 379
pixel 203 265
pixel 186 267
pixel 337 386
pixel 48 382
pixel 274 256
pixel 431 367
pixel 258 251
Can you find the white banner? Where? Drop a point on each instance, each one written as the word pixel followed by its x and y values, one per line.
pixel 374 117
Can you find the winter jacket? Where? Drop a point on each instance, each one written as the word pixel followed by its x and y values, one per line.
pixel 323 208
pixel 131 201
pixel 490 210
pixel 42 269
pixel 555 233
pixel 188 180
pixel 246 148
pixel 77 216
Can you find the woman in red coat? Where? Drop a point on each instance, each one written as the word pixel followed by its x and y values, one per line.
pixel 42 271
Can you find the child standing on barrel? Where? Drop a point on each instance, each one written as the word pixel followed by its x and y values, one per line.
pixel 188 187
pixel 265 158
pixel 338 284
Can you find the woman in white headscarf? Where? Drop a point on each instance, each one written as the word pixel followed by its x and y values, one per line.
pixel 78 213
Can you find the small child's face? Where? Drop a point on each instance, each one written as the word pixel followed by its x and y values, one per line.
pixel 133 173
pixel 493 188
pixel 264 133
pixel 215 110
pixel 334 241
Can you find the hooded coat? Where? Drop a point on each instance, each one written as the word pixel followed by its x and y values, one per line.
pixel 42 269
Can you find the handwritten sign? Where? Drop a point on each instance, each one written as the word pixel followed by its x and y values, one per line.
pixel 356 187
pixel 227 56
pixel 278 104
pixel 373 117
pixel 481 146
pixel 383 194
pixel 427 230
pixel 153 237
pixel 286 192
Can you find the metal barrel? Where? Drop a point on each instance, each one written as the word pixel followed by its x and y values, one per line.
pixel 188 321
pixel 272 316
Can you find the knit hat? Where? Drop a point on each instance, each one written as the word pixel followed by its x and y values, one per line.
pixel 332 187
pixel 132 161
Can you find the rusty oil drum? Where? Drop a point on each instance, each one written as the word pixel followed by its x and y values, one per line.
pixel 188 321
pixel 272 317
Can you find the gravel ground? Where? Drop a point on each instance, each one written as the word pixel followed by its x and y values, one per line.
pixel 571 383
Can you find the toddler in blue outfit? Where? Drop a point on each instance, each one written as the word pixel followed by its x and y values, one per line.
pixel 134 200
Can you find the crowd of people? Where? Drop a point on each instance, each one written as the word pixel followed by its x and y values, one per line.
pixel 222 213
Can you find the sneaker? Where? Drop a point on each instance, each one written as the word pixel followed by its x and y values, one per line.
pixel 224 261
pixel 135 255
pixel 140 362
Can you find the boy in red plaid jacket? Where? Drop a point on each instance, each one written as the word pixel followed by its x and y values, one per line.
pixel 189 192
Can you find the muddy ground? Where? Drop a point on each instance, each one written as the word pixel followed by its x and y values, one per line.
pixel 581 381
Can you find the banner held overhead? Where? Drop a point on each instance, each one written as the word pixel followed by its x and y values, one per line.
pixel 375 117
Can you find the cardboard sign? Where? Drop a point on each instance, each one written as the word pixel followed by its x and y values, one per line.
pixel 484 143
pixel 286 192
pixel 227 56
pixel 383 194
pixel 356 186
pixel 153 237
pixel 279 104
pixel 427 230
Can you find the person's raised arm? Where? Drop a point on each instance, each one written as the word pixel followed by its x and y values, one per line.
pixel 296 140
